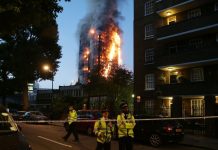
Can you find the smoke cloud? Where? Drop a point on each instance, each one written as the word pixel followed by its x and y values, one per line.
pixel 102 15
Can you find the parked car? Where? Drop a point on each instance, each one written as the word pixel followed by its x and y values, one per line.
pixel 14 114
pixel 10 134
pixel 17 115
pixel 36 116
pixel 87 126
pixel 157 132
pixel 20 115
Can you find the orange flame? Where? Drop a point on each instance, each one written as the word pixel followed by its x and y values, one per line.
pixel 113 55
pixel 113 50
pixel 108 42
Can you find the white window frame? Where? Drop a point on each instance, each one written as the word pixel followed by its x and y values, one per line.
pixel 197 107
pixel 149 56
pixel 149 31
pixel 149 82
pixel 149 7
pixel 197 74
pixel 194 13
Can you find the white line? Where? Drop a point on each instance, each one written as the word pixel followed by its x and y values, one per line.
pixel 54 141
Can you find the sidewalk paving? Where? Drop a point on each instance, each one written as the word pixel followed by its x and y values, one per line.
pixel 200 141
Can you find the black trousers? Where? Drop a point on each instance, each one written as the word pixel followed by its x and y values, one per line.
pixel 126 143
pixel 72 129
pixel 103 146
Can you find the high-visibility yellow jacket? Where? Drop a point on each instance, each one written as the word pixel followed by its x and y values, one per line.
pixel 125 126
pixel 72 116
pixel 103 130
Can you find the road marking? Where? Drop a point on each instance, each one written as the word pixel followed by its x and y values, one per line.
pixel 54 141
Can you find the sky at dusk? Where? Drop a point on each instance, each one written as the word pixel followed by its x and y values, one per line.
pixel 68 22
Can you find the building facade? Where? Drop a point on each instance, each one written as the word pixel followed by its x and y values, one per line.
pixel 72 91
pixel 176 57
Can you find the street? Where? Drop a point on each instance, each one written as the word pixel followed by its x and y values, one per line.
pixel 49 137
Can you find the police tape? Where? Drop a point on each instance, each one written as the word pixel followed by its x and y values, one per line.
pixel 113 120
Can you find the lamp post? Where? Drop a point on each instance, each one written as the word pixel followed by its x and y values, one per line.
pixel 132 103
pixel 48 69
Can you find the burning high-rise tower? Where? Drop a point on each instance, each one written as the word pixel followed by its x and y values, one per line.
pixel 100 41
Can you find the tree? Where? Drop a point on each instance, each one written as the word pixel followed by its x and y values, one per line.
pixel 121 86
pixel 7 83
pixel 118 86
pixel 30 38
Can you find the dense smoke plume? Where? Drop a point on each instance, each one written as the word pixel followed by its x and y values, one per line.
pixel 102 13
pixel 103 19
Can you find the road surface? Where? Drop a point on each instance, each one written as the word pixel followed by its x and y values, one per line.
pixel 49 137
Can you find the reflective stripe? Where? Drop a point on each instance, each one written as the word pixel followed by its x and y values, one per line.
pixel 103 131
pixel 125 126
pixel 72 116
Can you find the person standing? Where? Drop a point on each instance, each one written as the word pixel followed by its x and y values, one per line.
pixel 71 119
pixel 125 124
pixel 103 129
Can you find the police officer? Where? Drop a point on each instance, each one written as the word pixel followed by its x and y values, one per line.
pixel 103 130
pixel 125 124
pixel 72 117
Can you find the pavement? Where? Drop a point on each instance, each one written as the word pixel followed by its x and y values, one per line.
pixel 203 142
pixel 199 141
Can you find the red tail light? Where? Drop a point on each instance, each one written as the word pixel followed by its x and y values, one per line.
pixel 168 129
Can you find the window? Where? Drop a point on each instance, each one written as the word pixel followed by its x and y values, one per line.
pixel 197 107
pixel 149 56
pixel 149 82
pixel 194 13
pixel 197 74
pixel 149 107
pixel 216 99
pixel 196 43
pixel 173 77
pixel 166 107
pixel 149 7
pixel 171 20
pixel 216 7
pixel 149 31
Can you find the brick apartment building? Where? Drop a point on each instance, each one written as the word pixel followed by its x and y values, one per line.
pixel 176 57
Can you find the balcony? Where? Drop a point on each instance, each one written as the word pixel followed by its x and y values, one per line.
pixel 188 27
pixel 197 57
pixel 191 88
pixel 176 6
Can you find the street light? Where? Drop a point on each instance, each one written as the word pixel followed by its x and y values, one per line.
pixel 47 68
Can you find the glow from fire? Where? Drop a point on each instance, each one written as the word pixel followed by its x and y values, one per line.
pixel 113 52
pixel 107 44
pixel 92 31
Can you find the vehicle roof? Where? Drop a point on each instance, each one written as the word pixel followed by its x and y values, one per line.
pixel 21 111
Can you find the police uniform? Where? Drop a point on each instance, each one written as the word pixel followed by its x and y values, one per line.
pixel 72 118
pixel 125 124
pixel 103 129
